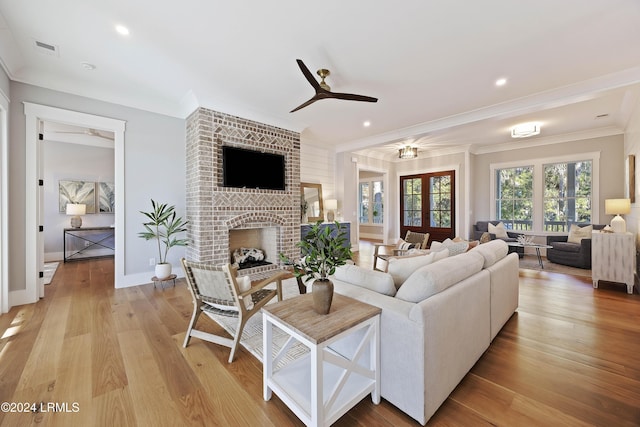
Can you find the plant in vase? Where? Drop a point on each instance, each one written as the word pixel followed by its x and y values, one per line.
pixel 162 226
pixel 321 251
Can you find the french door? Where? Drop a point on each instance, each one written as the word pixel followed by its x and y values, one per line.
pixel 427 204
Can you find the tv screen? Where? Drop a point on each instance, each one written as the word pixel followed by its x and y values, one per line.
pixel 252 169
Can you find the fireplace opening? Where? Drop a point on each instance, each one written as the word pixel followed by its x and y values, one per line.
pixel 253 247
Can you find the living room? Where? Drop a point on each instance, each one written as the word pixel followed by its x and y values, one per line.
pixel 150 161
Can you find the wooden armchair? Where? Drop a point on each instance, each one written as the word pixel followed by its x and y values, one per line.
pixel 416 240
pixel 215 290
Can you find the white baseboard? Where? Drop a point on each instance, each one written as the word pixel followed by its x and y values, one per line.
pixel 19 298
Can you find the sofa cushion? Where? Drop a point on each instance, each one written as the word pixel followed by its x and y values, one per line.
pixel 401 268
pixel 492 251
pixel 576 233
pixel 499 230
pixel 376 281
pixel 436 277
pixel 566 246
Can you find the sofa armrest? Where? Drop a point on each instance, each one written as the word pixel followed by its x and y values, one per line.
pixel 585 246
pixel 551 239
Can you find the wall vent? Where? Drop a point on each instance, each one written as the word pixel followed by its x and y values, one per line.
pixel 46 48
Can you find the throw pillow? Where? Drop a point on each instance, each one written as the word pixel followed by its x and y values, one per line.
pixel 455 248
pixel 576 233
pixel 498 230
pixel 486 237
pixel 376 281
pixel 401 268
pixel 404 245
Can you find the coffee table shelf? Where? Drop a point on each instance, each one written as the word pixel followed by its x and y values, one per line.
pixel 323 385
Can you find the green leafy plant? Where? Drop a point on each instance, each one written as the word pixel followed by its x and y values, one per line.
pixel 322 250
pixel 162 226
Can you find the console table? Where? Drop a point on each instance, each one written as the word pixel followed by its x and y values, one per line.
pixel 613 258
pixel 322 385
pixel 88 242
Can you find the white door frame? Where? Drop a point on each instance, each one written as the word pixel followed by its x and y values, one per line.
pixel 34 260
pixel 4 203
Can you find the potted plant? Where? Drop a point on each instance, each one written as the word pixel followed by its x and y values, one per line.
pixel 162 226
pixel 322 250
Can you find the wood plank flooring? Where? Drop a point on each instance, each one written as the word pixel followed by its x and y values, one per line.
pixel 570 356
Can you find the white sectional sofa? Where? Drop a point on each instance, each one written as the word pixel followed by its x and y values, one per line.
pixel 438 322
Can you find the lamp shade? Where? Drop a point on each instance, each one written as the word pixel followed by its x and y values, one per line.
pixel 617 206
pixel 76 209
pixel 331 204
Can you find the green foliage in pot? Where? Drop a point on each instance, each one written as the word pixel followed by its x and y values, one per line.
pixel 162 226
pixel 322 250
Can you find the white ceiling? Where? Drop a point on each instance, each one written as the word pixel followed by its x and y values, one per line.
pixel 432 64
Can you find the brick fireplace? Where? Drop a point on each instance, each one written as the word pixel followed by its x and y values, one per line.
pixel 224 218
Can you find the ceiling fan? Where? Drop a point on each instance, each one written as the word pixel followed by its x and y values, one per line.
pixel 323 91
pixel 89 132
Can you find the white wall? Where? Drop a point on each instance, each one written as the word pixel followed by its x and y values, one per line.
pixel 154 157
pixel 74 162
pixel 632 146
pixel 317 167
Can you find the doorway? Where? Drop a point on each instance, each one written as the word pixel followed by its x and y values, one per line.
pixel 35 115
pixel 427 204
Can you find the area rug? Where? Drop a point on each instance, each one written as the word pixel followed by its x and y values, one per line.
pixel 530 262
pixel 49 271
pixel 252 333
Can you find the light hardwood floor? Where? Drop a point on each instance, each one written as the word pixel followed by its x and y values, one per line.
pixel 570 356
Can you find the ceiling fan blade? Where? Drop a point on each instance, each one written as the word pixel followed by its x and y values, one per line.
pixel 308 75
pixel 309 102
pixel 352 97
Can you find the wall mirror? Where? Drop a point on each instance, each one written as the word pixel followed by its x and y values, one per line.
pixel 311 197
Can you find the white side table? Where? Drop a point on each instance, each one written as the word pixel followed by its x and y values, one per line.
pixel 613 258
pixel 323 385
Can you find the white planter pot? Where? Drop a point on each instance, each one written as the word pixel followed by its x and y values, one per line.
pixel 163 270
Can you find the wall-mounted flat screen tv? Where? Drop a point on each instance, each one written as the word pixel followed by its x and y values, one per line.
pixel 244 168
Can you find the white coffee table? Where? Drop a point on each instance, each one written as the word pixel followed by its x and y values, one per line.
pixel 323 385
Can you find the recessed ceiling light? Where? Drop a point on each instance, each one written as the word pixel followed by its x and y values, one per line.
pixel 366 124
pixel 525 130
pixel 88 66
pixel 501 82
pixel 122 30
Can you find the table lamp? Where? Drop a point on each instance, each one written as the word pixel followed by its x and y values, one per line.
pixel 75 210
pixel 617 207
pixel 331 205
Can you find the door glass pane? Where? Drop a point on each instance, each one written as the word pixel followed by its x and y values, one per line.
pixel 378 199
pixel 364 203
pixel 412 198
pixel 440 201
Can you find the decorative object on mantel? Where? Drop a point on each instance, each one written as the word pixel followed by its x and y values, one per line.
pixel 321 252
pixel 75 210
pixel 617 207
pixel 331 205
pixel 162 226
pixel 525 240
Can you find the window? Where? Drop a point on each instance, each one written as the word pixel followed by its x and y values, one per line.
pixel 567 194
pixel 546 195
pixel 371 197
pixel 514 197
pixel 412 208
pixel 440 201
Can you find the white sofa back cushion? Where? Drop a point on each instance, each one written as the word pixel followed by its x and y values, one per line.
pixel 401 268
pixel 370 279
pixel 455 248
pixel 434 278
pixel 492 251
